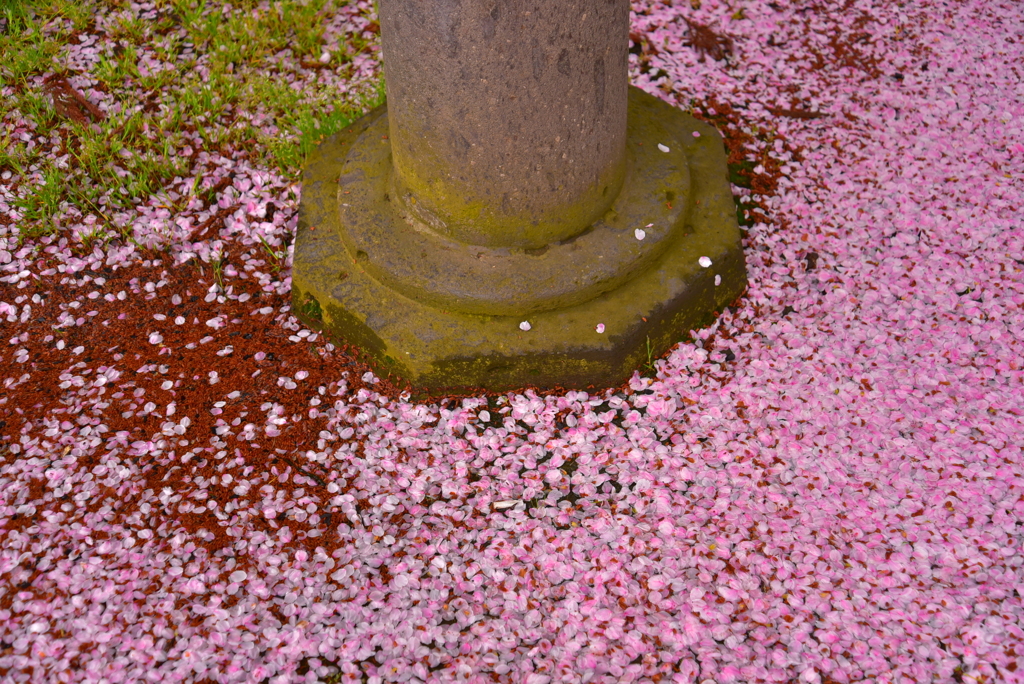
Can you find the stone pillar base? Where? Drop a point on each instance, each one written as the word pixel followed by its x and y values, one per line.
pixel 445 316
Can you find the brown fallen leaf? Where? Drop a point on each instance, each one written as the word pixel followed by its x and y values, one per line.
pixel 69 103
pixel 707 42
pixel 641 45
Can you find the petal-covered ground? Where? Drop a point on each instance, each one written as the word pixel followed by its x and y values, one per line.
pixel 827 485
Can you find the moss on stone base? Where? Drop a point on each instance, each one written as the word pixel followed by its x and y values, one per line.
pixel 437 350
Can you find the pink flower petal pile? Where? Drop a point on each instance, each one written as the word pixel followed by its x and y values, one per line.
pixel 827 485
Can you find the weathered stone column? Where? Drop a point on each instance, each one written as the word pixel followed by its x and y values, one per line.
pixel 516 214
pixel 507 119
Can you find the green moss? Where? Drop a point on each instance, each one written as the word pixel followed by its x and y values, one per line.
pixel 310 308
pixel 473 215
pixel 740 173
pixel 440 351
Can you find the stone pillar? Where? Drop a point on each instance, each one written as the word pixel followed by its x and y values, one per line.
pixel 507 118
pixel 516 214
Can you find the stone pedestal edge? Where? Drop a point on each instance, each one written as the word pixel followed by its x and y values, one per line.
pixel 438 351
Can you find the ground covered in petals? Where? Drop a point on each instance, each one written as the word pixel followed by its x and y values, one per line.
pixel 827 485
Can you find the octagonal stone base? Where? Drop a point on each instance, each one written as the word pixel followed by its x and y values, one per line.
pixel 423 340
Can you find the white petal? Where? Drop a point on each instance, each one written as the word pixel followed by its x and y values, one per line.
pixel 640 233
pixel 525 325
pixel 663 148
pixel 704 261
pixel 718 280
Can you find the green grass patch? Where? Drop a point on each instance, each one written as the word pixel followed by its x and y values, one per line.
pixel 215 63
pixel 311 126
